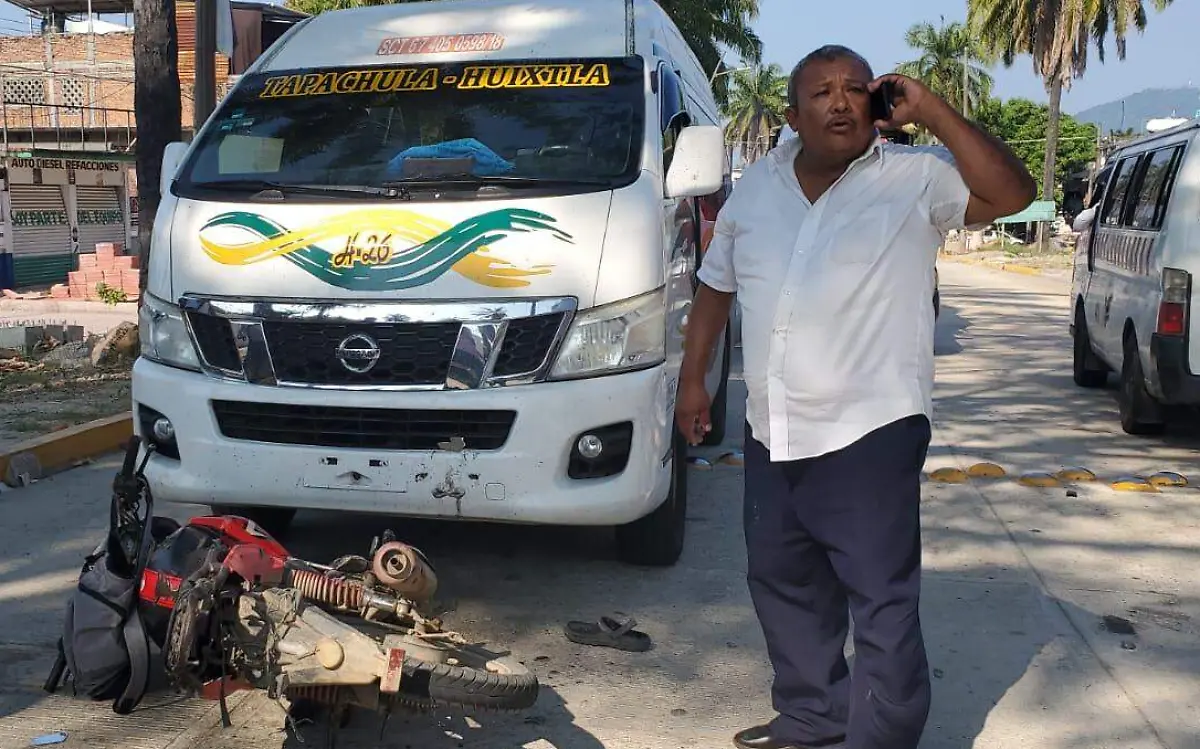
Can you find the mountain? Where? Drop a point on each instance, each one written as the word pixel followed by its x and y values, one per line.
pixel 1143 106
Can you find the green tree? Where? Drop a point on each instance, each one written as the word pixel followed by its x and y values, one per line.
pixel 949 57
pixel 1057 36
pixel 1025 124
pixel 757 98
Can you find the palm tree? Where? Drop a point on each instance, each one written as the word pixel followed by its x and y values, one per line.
pixel 157 109
pixel 1056 34
pixel 949 59
pixel 757 98
pixel 707 25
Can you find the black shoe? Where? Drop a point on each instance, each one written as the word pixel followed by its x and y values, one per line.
pixel 759 737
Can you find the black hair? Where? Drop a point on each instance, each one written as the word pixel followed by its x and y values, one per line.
pixel 828 53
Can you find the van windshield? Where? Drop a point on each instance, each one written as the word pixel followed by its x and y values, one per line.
pixel 354 132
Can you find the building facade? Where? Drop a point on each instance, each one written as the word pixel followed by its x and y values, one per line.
pixel 67 176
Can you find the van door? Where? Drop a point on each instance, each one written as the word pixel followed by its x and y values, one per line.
pixel 1109 254
pixel 679 221
pixel 1161 210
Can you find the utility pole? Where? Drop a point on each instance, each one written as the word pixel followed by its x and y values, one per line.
pixel 204 96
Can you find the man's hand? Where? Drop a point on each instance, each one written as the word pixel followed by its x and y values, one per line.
pixel 692 411
pixel 910 103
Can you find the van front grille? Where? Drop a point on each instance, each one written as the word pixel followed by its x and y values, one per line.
pixel 409 353
pixel 366 428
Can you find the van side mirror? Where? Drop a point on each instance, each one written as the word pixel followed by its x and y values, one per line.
pixel 172 157
pixel 698 164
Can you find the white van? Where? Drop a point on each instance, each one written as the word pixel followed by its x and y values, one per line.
pixel 435 259
pixel 1136 258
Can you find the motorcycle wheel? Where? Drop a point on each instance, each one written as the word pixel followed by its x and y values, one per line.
pixel 479 679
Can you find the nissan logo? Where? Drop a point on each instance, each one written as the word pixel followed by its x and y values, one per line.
pixel 358 353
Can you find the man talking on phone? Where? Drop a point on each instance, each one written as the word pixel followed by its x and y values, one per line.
pixel 829 244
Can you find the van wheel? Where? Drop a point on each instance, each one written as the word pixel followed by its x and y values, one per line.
pixel 1140 413
pixel 657 539
pixel 1086 368
pixel 717 411
pixel 274 520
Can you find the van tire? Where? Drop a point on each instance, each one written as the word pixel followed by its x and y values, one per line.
pixel 1140 413
pixel 718 411
pixel 274 520
pixel 657 539
pixel 1086 368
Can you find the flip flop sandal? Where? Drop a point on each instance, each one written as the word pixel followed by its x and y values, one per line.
pixel 616 631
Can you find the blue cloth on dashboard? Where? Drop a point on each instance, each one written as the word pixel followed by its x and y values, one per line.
pixel 487 161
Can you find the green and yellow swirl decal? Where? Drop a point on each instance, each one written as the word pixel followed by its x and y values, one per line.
pixel 382 249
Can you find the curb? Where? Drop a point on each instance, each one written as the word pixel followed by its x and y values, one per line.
pixel 65 448
pixel 1024 270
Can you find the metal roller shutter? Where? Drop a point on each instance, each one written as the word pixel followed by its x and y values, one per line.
pixel 99 217
pixel 39 220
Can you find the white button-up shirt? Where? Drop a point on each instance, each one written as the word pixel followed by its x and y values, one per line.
pixel 836 296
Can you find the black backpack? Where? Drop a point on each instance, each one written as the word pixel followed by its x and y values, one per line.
pixel 104 646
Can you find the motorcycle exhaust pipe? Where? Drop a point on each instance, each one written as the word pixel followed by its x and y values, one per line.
pixel 405 570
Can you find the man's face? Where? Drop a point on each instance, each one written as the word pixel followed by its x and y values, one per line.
pixel 832 111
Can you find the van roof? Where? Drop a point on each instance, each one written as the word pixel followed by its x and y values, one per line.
pixel 1192 124
pixel 456 30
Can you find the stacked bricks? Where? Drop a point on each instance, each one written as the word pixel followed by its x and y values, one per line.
pixel 106 267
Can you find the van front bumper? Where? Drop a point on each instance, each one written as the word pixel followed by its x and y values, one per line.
pixel 1169 359
pixel 524 480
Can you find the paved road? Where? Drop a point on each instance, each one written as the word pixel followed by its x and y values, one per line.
pixel 1018 580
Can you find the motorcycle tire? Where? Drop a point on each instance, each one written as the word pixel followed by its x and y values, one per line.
pixel 511 686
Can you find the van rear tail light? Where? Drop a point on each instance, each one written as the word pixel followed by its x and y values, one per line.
pixel 1173 309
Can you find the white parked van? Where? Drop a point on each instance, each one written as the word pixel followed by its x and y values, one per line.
pixel 435 259
pixel 1136 261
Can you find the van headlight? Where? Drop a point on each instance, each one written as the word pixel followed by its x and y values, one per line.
pixel 164 335
pixel 622 336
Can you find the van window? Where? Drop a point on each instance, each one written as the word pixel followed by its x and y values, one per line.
pixel 671 106
pixel 1114 204
pixel 515 125
pixel 1154 193
pixel 1101 182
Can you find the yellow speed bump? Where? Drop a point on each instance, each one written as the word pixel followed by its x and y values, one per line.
pixel 948 476
pixel 985 471
pixel 1075 474
pixel 1168 478
pixel 1039 479
pixel 1133 484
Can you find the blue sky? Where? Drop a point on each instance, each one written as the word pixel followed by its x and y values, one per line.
pixel 1164 56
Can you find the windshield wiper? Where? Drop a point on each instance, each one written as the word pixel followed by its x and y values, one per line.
pixel 493 180
pixel 260 185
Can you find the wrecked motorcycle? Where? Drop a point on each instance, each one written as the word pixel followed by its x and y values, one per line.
pixel 231 609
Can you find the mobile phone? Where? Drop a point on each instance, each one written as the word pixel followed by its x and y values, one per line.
pixel 882 101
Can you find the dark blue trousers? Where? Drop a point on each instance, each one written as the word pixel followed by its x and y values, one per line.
pixel 827 538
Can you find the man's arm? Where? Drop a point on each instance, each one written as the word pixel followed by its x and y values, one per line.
pixel 999 182
pixel 706 319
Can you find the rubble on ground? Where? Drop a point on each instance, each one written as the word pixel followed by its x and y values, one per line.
pixel 31 347
pixel 119 344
